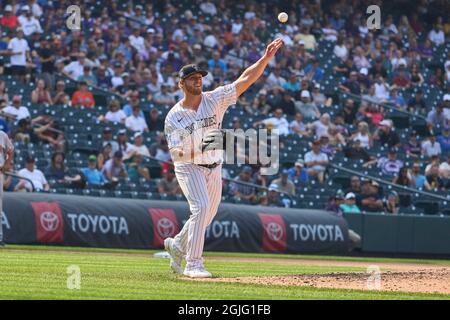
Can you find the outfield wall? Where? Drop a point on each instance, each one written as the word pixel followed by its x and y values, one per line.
pixel 124 223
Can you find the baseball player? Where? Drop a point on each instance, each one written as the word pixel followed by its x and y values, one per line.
pixel 192 121
pixel 6 156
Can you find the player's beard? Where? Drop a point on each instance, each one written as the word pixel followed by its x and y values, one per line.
pixel 195 91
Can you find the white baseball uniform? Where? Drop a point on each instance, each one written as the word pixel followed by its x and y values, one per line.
pixel 201 186
pixel 5 146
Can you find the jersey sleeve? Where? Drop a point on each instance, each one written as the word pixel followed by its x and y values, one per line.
pixel 173 135
pixel 224 97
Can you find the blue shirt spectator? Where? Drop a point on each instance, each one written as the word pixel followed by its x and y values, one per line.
pixel 217 62
pixel 4 126
pixel 313 71
pixel 444 140
pixel 298 173
pixel 92 174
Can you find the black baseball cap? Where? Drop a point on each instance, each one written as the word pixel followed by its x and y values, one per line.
pixel 190 69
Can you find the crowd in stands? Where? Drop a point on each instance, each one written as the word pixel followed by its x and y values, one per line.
pixel 135 51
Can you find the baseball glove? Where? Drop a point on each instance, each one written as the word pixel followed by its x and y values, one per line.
pixel 214 140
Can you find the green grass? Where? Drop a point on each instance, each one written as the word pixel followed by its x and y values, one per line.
pixel 38 272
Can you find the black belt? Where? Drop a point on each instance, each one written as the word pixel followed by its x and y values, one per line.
pixel 210 166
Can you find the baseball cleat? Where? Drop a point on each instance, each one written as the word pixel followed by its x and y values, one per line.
pixel 196 270
pixel 176 256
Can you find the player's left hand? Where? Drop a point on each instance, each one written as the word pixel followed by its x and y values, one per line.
pixel 273 47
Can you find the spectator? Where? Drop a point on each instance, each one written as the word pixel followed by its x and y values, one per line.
pixel 403 178
pixel 161 151
pixel 351 85
pixel 19 52
pixel 320 127
pixel 17 110
pixel 316 161
pixel 292 85
pixel 164 97
pixel 363 135
pixel 284 185
pixel 401 78
pixel 436 35
pixel 273 198
pixel 136 169
pixel 92 174
pixel 75 69
pixel 136 122
pixel 444 170
pixel 216 61
pixel 28 22
pixel 102 79
pixel 83 97
pixel 313 72
pixel 349 112
pixel 318 97
pixel 334 203
pixel 87 76
pixel 349 205
pixel 416 77
pixel 396 100
pixel 155 123
pixel 417 103
pixel 168 183
pixel 390 165
pixel 9 19
pixel 412 146
pixel 115 114
pixel 307 108
pixel 277 122
pixel 444 140
pixel 356 151
pixel 275 79
pixel 36 176
pixel 107 138
pixel 392 203
pixel 370 200
pixel 298 174
pixel 11 183
pixel 298 126
pixel 133 102
pixel 418 180
pixel 386 135
pixel 41 94
pixel 436 117
pixel 242 191
pixel 58 171
pixel 431 147
pixel 4 97
pixel 138 147
pixel 355 186
pixel 115 168
pixel 104 155
pixel 434 180
pixel 335 136
pixel 340 49
pixel 60 96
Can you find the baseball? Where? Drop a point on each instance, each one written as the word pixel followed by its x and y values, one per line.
pixel 283 17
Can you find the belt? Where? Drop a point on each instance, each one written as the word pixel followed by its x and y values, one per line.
pixel 209 166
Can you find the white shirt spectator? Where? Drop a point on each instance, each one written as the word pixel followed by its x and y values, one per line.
pixel 37 177
pixel 117 116
pixel 389 167
pixel 137 42
pixel 437 37
pixel 116 81
pixel 398 61
pixel 286 39
pixel 249 15
pixel 381 91
pixel 142 150
pixel 135 123
pixel 74 69
pixel 340 51
pixel 236 27
pixel 30 25
pixel 209 8
pixel 210 41
pixel 281 124
pixel 329 34
pixel 320 128
pixel 20 113
pixel 311 156
pixel 429 149
pixel 274 80
pixel 17 45
pixel 36 10
pixel 444 170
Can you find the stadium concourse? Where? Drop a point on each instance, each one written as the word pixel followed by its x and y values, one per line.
pixel 87 107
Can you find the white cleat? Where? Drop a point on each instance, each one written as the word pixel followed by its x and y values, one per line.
pixel 196 270
pixel 176 256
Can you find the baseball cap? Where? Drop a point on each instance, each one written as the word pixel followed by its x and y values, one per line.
pixel 339 194
pixel 118 154
pixel 107 130
pixel 197 46
pixel 301 42
pixel 285 172
pixel 386 123
pixel 364 71
pixel 317 86
pixel 151 30
pixel 305 94
pixel 300 162
pixel 273 187
pixel 122 131
pixel 392 150
pixel 191 69
pixel 125 74
pixel 8 8
pixel 92 157
pixel 393 194
pixel 447 97
pixel 137 134
pixel 30 159
pixel 316 143
pixel 25 8
pixel 350 195
pixel 247 169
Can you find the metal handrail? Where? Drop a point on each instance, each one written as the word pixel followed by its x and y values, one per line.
pixel 8 173
pixel 359 174
pixel 388 105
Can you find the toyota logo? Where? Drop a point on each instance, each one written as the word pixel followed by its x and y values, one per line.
pixel 274 231
pixel 165 227
pixel 49 221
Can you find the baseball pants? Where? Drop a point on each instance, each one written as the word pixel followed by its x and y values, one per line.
pixel 202 188
pixel 1 206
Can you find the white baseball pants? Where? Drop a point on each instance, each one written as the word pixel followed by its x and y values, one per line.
pixel 202 188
